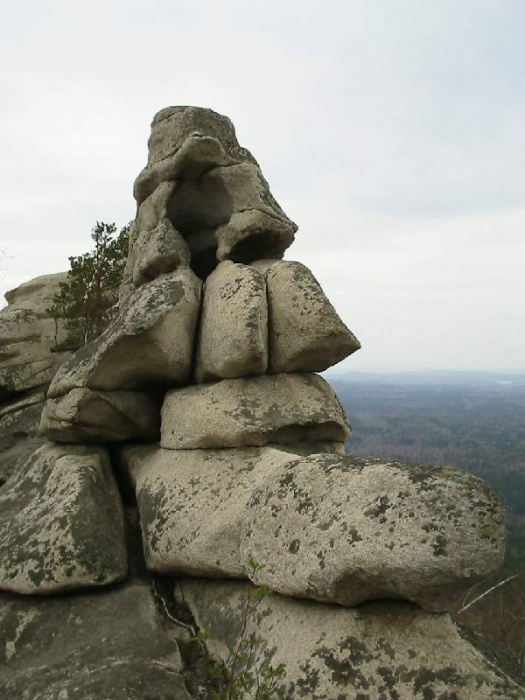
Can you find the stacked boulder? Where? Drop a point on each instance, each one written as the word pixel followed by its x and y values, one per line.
pixel 206 386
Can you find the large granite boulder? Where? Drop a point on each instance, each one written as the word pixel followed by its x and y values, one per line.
pixel 191 504
pixel 103 645
pixel 27 336
pixel 254 411
pixel 149 344
pixel 87 415
pixel 233 335
pixel 305 331
pixel 378 651
pixel 61 523
pixel 353 530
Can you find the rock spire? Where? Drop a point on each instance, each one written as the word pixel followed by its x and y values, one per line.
pixel 202 400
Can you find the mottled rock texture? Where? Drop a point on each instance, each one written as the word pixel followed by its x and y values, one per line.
pixel 61 523
pixel 103 645
pixel 191 504
pixel 379 651
pixel 87 415
pixel 27 334
pixel 233 335
pixel 347 530
pixel 149 344
pixel 255 411
pixel 305 331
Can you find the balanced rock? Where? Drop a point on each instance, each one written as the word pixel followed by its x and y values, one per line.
pixel 149 344
pixel 109 644
pixel 220 204
pixel 191 504
pixel 305 331
pixel 353 530
pixel 87 415
pixel 254 411
pixel 61 523
pixel 188 139
pixel 233 336
pixel 377 651
pixel 27 336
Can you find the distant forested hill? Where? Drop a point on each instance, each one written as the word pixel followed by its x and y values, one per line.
pixel 472 421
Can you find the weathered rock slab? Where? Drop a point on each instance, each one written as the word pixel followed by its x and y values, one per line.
pixel 85 415
pixel 305 332
pixel 233 337
pixel 27 336
pixel 61 523
pixel 150 343
pixel 348 530
pixel 254 411
pixel 377 651
pixel 191 504
pixel 103 645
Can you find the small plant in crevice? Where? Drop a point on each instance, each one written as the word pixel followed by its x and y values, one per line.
pixel 246 671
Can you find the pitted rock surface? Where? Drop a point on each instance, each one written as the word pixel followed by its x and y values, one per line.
pixel 378 651
pixel 233 334
pixel 347 530
pixel 191 504
pixel 87 416
pixel 61 523
pixel 211 191
pixel 252 412
pixel 149 344
pixel 189 139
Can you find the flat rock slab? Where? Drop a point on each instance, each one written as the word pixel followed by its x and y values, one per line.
pixel 347 530
pixel 306 333
pixel 86 415
pixel 61 523
pixel 149 344
pixel 379 651
pixel 103 645
pixel 253 412
pixel 233 335
pixel 191 504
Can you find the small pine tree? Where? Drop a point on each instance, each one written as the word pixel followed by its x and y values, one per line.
pixel 86 301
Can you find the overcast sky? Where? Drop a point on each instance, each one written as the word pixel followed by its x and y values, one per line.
pixel 391 131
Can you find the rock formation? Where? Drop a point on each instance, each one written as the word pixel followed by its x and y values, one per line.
pixel 201 403
pixel 27 364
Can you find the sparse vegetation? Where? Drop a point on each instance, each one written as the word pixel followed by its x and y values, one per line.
pixel 246 673
pixel 86 302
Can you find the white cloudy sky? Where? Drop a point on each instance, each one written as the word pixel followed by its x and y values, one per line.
pixel 391 131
